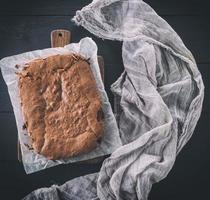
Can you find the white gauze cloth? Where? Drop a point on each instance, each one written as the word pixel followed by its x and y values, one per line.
pixel 159 95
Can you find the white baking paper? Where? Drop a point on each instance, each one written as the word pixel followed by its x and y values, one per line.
pixel 32 161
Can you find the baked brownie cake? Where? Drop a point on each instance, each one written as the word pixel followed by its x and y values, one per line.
pixel 61 106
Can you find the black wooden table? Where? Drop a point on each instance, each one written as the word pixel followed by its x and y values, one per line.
pixel 26 26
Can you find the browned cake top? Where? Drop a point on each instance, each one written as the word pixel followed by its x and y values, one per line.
pixel 61 106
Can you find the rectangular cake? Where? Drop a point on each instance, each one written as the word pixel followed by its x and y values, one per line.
pixel 61 106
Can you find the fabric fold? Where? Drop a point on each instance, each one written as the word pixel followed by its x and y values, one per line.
pixel 160 95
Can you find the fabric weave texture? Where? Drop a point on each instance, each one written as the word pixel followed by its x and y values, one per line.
pixel 159 96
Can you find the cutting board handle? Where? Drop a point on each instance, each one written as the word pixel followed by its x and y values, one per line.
pixel 60 38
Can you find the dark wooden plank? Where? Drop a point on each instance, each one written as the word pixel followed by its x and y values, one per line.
pixel 191 168
pixel 189 177
pixel 20 34
pixel 8 137
pixel 5 103
pixel 179 7
pixel 194 31
pixel 15 180
pixel 47 7
pixel 10 194
pixel 32 33
pixel 66 7
pixel 205 72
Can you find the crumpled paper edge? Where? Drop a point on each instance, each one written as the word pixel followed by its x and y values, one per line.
pixel 110 141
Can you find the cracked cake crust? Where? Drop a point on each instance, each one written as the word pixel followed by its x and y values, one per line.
pixel 61 106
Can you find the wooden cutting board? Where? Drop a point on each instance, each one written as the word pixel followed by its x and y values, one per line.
pixel 60 38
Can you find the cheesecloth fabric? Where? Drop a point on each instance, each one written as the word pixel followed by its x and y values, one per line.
pixel 159 96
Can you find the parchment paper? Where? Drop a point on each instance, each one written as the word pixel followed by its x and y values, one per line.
pixel 32 161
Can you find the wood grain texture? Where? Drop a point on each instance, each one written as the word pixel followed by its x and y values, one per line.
pixel 189 178
pixel 26 25
pixel 8 137
pixel 19 184
pixel 101 66
pixel 60 38
pixel 67 7
pixel 185 171
pixel 21 34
